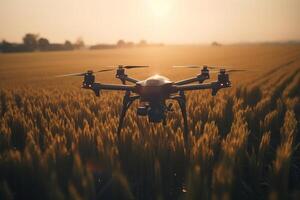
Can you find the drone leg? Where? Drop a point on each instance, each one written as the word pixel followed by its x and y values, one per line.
pixel 126 104
pixel 127 101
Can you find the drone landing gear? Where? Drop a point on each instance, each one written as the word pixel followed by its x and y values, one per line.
pixel 127 101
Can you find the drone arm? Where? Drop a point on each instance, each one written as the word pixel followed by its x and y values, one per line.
pixel 96 87
pixel 195 86
pixel 199 79
pixel 131 80
pixel 127 101
pixel 124 78
pixel 101 86
pixel 214 86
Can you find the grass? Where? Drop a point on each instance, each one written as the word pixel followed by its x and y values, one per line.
pixel 59 142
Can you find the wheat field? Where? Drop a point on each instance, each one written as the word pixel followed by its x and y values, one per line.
pixel 58 141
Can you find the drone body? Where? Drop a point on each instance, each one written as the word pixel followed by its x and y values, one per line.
pixel 154 92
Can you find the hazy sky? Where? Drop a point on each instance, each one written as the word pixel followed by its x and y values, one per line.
pixel 169 21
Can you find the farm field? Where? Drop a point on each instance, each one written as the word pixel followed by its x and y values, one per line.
pixel 58 141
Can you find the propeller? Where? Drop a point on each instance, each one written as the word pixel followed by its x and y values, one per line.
pixel 84 73
pixel 223 68
pixel 230 71
pixel 73 74
pixel 132 66
pixel 237 70
pixel 103 70
pixel 195 66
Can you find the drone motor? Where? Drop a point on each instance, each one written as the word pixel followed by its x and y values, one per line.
pixel 205 72
pixel 89 79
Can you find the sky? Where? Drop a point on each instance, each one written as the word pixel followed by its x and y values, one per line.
pixel 166 21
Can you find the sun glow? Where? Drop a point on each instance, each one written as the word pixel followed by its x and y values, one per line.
pixel 160 8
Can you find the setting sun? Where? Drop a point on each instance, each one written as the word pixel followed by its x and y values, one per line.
pixel 160 8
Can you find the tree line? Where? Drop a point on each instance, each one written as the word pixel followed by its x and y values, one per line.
pixel 33 42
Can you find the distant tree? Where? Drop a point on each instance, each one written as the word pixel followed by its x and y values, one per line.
pixel 121 43
pixel 68 45
pixel 215 44
pixel 30 41
pixel 43 44
pixel 6 46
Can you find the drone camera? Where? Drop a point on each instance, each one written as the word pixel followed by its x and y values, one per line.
pixel 155 117
pixel 142 111
pixel 156 114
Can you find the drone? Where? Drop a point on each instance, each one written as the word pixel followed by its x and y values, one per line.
pixel 154 91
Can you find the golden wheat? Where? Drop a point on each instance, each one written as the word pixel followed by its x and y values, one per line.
pixel 59 142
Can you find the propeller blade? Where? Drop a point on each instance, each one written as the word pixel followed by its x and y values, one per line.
pixel 218 67
pixel 134 66
pixel 72 74
pixel 186 66
pixel 195 66
pixel 83 73
pixel 104 70
pixel 213 67
pixel 229 71
pixel 237 70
